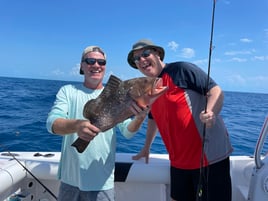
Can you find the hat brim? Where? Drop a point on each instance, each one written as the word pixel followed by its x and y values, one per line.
pixel 159 49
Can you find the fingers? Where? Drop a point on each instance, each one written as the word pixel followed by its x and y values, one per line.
pixel 207 118
pixel 87 131
pixel 147 159
pixel 87 135
pixel 136 157
pixel 139 111
pixel 135 108
pixel 141 155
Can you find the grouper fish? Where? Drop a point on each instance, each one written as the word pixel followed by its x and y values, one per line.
pixel 112 106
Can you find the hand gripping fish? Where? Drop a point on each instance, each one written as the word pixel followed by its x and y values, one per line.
pixel 112 106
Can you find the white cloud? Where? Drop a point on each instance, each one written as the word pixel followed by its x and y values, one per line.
pixel 75 70
pixel 57 72
pixel 245 40
pixel 238 59
pixel 227 2
pixel 204 62
pixel 201 62
pixel 238 82
pixel 260 78
pixel 232 44
pixel 266 32
pixel 173 45
pixel 236 79
pixel 260 58
pixel 232 53
pixel 187 53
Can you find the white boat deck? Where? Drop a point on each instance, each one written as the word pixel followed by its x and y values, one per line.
pixel 31 177
pixel 139 182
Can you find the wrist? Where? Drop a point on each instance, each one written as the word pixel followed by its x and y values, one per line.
pixel 139 119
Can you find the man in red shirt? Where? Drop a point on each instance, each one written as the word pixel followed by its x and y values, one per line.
pixel 180 118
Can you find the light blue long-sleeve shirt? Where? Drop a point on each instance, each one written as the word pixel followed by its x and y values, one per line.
pixel 93 169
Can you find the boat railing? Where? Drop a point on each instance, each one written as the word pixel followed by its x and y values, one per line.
pixel 260 143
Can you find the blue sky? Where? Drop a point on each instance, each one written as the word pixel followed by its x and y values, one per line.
pixel 45 39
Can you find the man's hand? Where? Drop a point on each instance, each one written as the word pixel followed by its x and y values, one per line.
pixel 86 130
pixel 208 118
pixel 143 153
pixel 139 112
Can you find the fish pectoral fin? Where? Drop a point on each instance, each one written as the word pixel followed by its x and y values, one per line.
pixel 80 145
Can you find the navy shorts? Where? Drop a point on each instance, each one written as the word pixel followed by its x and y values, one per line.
pixel 216 183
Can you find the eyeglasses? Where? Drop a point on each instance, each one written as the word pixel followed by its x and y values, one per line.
pixel 144 54
pixel 92 61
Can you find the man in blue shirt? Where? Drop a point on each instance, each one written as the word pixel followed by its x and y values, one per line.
pixel 88 175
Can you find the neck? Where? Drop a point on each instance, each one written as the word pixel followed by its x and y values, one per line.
pixel 93 85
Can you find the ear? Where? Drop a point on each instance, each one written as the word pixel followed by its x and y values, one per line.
pixel 157 55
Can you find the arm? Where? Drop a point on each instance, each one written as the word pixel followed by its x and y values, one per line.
pixel 150 135
pixel 84 129
pixel 214 106
pixel 140 114
pixel 58 122
pixel 62 121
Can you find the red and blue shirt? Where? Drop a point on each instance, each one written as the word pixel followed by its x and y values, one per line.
pixel 177 117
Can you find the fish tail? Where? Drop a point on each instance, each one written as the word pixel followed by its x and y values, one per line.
pixel 80 145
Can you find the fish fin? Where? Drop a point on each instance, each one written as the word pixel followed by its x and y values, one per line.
pixel 80 145
pixel 111 86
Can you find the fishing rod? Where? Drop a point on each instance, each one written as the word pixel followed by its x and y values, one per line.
pixel 201 181
pixel 27 170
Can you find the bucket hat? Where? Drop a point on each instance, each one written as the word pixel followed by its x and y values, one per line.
pixel 142 44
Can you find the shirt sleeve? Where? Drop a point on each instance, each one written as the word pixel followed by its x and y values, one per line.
pixel 189 76
pixel 124 130
pixel 58 110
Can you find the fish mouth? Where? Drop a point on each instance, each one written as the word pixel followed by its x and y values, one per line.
pixel 157 90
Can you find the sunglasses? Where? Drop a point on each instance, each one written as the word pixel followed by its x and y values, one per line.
pixel 144 54
pixel 92 61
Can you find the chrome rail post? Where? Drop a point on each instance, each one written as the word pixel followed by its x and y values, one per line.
pixel 260 143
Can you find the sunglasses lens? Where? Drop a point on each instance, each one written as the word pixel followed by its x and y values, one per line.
pixel 92 61
pixel 136 58
pixel 101 62
pixel 144 54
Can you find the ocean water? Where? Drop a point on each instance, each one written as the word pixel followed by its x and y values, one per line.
pixel 25 104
